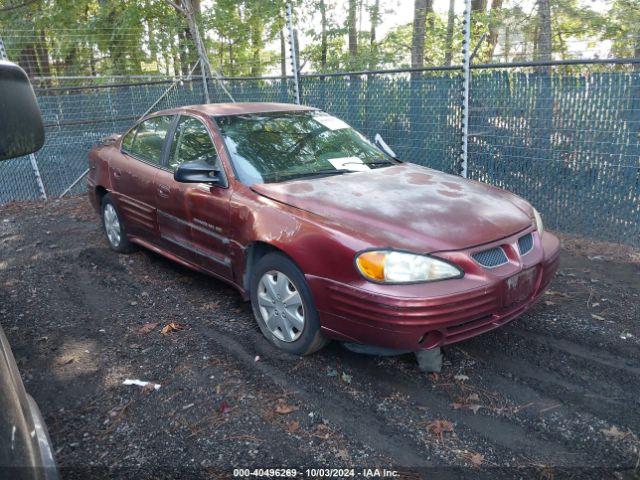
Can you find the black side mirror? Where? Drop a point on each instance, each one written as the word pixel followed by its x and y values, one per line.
pixel 382 145
pixel 197 171
pixel 21 129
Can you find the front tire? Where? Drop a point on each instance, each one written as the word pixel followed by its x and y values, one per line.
pixel 283 306
pixel 114 227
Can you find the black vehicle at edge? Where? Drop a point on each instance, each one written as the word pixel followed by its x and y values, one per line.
pixel 25 447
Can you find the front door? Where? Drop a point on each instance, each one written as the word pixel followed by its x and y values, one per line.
pixel 133 175
pixel 192 216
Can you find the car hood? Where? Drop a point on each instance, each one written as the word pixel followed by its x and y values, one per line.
pixel 408 206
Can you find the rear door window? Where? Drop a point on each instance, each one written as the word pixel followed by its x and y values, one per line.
pixel 146 141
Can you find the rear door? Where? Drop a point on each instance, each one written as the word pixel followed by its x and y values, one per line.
pixel 133 174
pixel 193 216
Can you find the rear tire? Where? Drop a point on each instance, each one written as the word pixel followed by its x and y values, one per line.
pixel 283 306
pixel 114 228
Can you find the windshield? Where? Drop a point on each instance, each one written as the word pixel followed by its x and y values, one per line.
pixel 274 147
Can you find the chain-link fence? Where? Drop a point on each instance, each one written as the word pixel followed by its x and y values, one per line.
pixel 565 139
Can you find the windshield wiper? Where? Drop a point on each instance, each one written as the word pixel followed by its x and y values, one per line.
pixel 377 163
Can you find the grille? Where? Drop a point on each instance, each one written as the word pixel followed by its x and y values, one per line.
pixel 525 243
pixel 494 257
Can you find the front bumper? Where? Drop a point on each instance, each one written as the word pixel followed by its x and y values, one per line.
pixel 410 318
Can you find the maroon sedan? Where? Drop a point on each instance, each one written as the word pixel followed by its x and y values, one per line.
pixel 328 236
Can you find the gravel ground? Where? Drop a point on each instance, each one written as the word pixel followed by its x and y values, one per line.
pixel 554 394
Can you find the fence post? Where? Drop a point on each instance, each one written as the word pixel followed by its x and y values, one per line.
pixel 32 157
pixel 294 53
pixel 466 70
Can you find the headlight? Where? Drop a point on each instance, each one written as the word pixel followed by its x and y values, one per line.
pixel 538 220
pixel 389 266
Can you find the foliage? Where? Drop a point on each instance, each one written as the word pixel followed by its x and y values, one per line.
pixel 245 37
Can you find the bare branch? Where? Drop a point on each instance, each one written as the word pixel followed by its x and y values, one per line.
pixel 176 6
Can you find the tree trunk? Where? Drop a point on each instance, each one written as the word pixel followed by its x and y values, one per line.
pixel 353 30
pixel 43 55
pixel 323 35
pixel 256 47
pixel 192 10
pixel 183 50
pixel 492 39
pixel 420 10
pixel 375 20
pixel 28 60
pixel 451 18
pixel 479 6
pixel 232 69
pixel 507 43
pixel 543 51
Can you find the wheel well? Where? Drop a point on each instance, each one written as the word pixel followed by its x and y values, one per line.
pixel 255 252
pixel 100 193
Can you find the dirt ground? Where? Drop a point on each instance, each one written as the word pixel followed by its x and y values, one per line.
pixel 554 394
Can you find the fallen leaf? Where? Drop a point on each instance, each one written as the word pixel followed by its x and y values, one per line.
pixel 257 358
pixel 433 376
pixel 172 327
pixel 210 305
pixel 614 433
pixel 148 327
pixel 476 459
pixel 346 378
pixel 343 454
pixel 461 378
pixel 292 426
pixel 284 409
pixel 439 427
pixel 597 317
pixel 224 407
pixel 557 294
pixel 549 303
pixel 473 397
pixel 474 407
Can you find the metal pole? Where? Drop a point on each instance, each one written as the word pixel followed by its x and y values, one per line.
pixel 294 53
pixel 75 182
pixel 32 157
pixel 466 71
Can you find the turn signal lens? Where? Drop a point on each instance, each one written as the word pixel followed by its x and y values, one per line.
pixel 371 265
pixel 389 266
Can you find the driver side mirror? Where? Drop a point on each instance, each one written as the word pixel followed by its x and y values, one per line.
pixel 21 129
pixel 197 171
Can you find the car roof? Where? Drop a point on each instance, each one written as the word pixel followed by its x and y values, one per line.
pixel 239 108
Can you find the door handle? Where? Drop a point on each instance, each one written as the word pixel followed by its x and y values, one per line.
pixel 163 191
